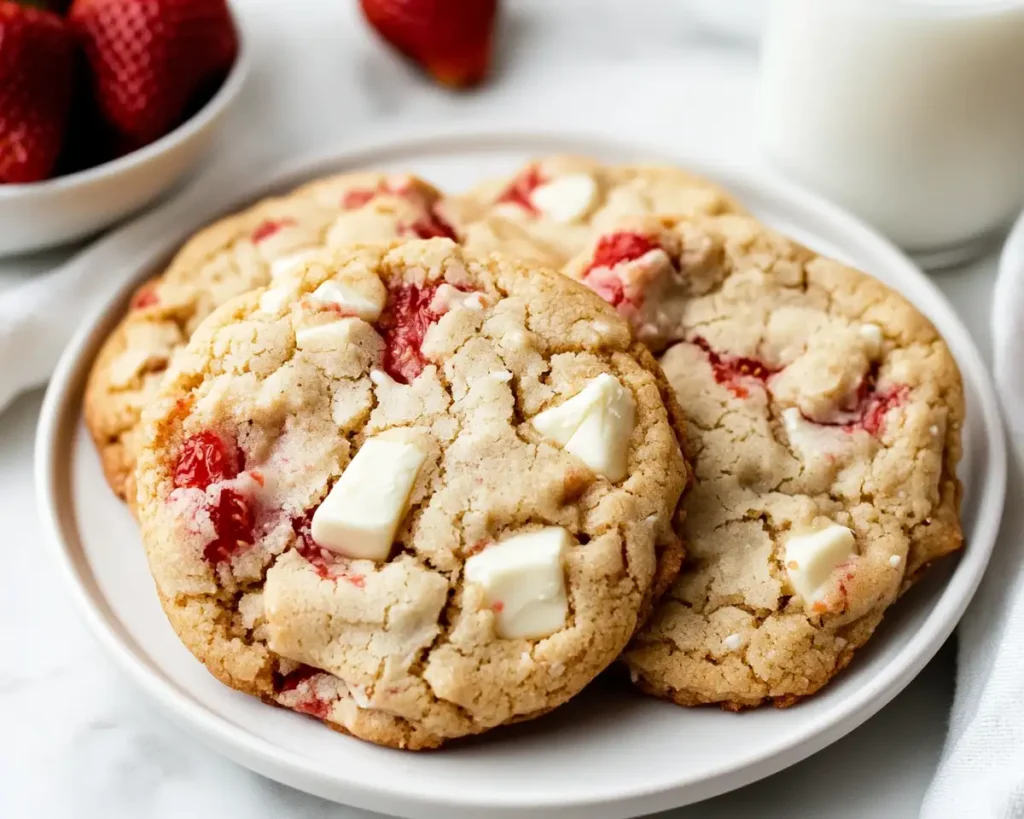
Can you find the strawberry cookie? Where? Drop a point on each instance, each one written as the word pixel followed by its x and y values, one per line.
pixel 228 258
pixel 824 417
pixel 410 493
pixel 549 210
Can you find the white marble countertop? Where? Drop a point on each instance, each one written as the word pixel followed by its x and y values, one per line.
pixel 79 740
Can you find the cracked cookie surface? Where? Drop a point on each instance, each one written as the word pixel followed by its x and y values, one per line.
pixel 550 209
pixel 230 257
pixel 824 417
pixel 520 440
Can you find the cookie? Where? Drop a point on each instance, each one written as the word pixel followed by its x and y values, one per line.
pixel 228 258
pixel 549 210
pixel 411 493
pixel 824 419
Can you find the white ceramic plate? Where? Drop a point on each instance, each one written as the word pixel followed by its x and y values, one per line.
pixel 607 754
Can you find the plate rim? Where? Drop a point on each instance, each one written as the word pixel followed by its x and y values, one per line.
pixel 61 410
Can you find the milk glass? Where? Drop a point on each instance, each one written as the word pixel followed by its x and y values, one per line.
pixel 908 112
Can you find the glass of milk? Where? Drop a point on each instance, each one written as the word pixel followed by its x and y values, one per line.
pixel 908 112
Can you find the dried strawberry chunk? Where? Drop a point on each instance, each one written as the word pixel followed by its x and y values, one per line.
pixel 731 370
pixel 403 325
pixel 520 190
pixel 205 458
pixel 269 227
pixel 328 564
pixel 233 521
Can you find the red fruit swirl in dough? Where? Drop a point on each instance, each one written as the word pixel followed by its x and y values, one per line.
pixel 327 564
pixel 403 325
pixel 268 228
pixel 301 680
pixel 357 197
pixel 872 419
pixel 870 406
pixel 731 370
pixel 520 189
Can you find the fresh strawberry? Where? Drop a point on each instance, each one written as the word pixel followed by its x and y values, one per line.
pixel 451 39
pixel 149 58
pixel 36 59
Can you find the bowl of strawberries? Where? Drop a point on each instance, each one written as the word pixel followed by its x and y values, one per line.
pixel 104 105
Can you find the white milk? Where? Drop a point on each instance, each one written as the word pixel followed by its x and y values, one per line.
pixel 908 112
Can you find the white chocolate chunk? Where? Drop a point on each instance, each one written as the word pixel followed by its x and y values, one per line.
pixel 291 261
pixel 566 198
pixel 362 512
pixel 274 298
pixel 733 642
pixel 335 335
pixel 894 561
pixel 348 299
pixel 451 298
pixel 595 425
pixel 873 338
pixel 496 377
pixel 811 557
pixel 523 582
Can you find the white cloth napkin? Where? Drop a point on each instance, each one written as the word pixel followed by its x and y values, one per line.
pixel 981 772
pixel 39 317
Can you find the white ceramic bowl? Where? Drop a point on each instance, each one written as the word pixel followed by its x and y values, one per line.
pixel 60 210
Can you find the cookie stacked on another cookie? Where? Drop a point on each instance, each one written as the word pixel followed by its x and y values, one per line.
pixel 229 258
pixel 824 416
pixel 412 493
pixel 550 210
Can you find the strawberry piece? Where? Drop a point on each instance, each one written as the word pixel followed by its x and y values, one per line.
pixel 872 419
pixel 520 190
pixel 301 682
pixel 616 248
pixel 145 297
pixel 149 60
pixel 450 39
pixel 732 370
pixel 357 198
pixel 870 406
pixel 607 285
pixel 327 564
pixel 36 63
pixel 205 459
pixel 233 522
pixel 403 325
pixel 431 226
pixel 267 228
